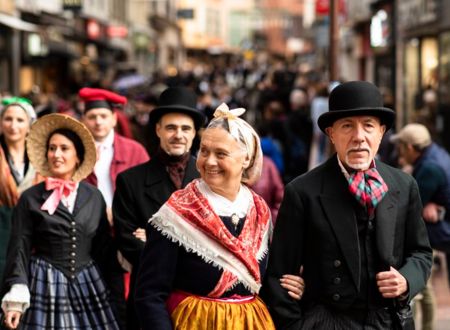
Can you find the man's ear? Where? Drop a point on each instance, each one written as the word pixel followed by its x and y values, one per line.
pixel 329 131
pixel 115 118
pixel 157 129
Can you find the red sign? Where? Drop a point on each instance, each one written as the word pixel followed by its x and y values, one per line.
pixel 117 31
pixel 93 29
pixel 323 6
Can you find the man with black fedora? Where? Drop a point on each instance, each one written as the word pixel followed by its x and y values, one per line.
pixel 354 224
pixel 142 190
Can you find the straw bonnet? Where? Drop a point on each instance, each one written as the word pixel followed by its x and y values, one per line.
pixel 356 98
pixel 38 137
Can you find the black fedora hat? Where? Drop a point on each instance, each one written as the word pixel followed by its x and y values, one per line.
pixel 178 99
pixel 356 98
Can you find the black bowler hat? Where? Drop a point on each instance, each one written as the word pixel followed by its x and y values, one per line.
pixel 181 100
pixel 356 98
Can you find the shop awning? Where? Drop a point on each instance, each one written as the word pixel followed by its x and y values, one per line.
pixel 17 24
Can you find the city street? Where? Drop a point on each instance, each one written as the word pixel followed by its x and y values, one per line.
pixel 442 292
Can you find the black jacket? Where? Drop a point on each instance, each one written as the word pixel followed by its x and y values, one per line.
pixel 140 192
pixel 316 228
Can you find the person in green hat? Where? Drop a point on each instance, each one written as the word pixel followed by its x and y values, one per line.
pixel 16 172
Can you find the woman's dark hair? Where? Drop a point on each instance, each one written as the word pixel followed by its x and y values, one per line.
pixel 72 136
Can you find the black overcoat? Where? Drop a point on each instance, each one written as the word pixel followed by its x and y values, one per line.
pixel 140 192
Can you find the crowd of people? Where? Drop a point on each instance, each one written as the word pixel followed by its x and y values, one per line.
pixel 204 203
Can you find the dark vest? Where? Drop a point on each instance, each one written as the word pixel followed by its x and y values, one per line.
pixel 368 297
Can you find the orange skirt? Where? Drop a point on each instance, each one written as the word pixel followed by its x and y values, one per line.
pixel 206 314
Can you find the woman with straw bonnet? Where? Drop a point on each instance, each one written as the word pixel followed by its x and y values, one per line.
pixel 59 226
pixel 16 171
pixel 207 246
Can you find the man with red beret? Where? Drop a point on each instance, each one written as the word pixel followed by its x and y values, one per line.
pixel 115 154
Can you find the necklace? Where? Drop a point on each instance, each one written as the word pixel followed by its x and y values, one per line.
pixel 235 220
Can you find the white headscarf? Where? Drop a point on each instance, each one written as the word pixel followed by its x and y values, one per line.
pixel 245 135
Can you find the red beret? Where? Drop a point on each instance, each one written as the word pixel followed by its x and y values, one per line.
pixel 100 98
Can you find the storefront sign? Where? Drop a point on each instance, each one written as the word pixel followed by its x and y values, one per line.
pixel 74 5
pixel 117 31
pixel 93 29
pixel 323 6
pixel 415 13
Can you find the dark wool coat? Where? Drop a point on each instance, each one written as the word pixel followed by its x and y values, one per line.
pixel 316 228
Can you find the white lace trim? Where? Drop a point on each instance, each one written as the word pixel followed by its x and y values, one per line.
pixel 172 226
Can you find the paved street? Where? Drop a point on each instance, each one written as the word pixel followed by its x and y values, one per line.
pixel 442 292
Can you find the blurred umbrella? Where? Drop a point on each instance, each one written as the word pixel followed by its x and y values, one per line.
pixel 130 81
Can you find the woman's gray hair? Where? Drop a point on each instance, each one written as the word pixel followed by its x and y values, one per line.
pixel 28 108
pixel 245 135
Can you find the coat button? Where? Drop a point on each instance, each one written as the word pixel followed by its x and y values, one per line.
pixel 337 280
pixel 74 238
pixel 72 277
pixel 73 223
pixel 73 246
pixel 73 254
pixel 72 269
pixel 336 263
pixel 336 297
pixel 72 261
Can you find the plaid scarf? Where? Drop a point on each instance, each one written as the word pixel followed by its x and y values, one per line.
pixel 368 187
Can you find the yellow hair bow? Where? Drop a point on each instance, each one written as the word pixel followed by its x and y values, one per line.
pixel 223 111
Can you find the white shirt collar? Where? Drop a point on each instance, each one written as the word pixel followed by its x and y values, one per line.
pixel 343 170
pixel 223 206
pixel 107 142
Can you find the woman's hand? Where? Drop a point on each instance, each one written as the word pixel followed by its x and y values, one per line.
pixel 12 319
pixel 294 284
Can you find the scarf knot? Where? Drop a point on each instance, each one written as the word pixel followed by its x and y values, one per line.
pixel 368 187
pixel 60 188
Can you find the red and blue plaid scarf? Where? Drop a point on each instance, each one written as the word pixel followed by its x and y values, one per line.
pixel 368 187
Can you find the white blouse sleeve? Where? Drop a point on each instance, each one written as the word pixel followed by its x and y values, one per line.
pixel 17 299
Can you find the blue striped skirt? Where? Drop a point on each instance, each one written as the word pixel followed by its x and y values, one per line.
pixel 60 303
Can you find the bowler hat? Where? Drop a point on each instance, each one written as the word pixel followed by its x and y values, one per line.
pixel 178 99
pixel 356 98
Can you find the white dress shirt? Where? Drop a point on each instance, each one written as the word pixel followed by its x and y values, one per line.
pixel 102 167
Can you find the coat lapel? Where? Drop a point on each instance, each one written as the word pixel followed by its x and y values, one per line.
pixel 191 172
pixel 158 186
pixel 386 215
pixel 341 217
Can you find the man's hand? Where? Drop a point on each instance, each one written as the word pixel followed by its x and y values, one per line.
pixel 12 319
pixel 431 212
pixel 294 284
pixel 391 284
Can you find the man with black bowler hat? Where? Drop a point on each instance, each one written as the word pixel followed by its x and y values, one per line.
pixel 143 189
pixel 355 226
